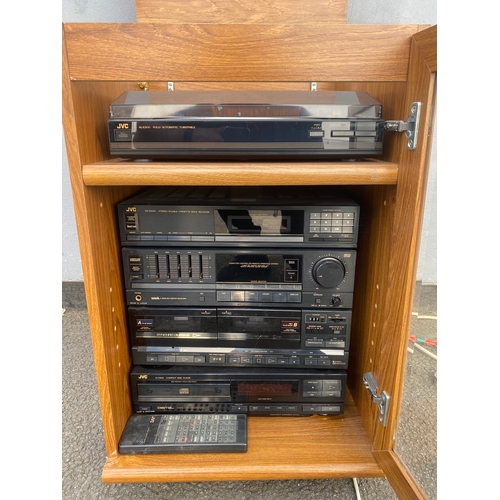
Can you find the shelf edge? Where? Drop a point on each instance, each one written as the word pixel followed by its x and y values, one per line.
pixel 121 470
pixel 127 173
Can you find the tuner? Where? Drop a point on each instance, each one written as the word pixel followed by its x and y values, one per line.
pixel 328 272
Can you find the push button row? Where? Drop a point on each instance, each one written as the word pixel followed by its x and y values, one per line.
pixel 230 359
pixel 288 408
pixel 175 358
pixel 169 237
pixel 321 408
pixel 331 215
pixel 320 342
pixel 331 237
pixel 263 360
pixel 255 296
pixel 322 389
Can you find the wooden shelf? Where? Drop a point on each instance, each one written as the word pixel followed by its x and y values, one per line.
pixel 278 448
pixel 120 172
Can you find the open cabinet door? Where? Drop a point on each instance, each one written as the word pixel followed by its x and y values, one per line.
pixel 389 360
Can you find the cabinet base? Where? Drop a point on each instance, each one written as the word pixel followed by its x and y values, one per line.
pixel 317 447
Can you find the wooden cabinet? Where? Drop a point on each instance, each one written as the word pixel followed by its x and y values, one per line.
pixel 395 64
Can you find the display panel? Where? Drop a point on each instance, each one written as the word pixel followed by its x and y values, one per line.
pixel 257 268
pixel 257 391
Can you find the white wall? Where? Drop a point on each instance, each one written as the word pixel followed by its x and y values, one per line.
pixel 359 12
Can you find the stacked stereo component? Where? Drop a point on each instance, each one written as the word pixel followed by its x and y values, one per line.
pixel 239 299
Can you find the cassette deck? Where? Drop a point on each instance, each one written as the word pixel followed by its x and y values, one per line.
pixel 287 338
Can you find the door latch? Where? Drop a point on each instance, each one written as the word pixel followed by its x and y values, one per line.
pixel 381 400
pixel 409 127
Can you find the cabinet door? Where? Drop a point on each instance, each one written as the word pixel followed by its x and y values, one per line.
pixel 389 362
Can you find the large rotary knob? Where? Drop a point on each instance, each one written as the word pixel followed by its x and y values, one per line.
pixel 328 272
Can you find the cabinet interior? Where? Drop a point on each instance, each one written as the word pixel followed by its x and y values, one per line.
pixel 279 447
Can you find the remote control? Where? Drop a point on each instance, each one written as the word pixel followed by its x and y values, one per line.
pixel 198 433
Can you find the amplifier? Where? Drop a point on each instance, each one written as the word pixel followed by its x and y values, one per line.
pixel 244 216
pixel 232 276
pixel 263 391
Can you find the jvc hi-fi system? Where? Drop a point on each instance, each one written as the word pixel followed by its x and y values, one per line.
pixel 245 124
pixel 209 217
pixel 266 391
pixel 238 293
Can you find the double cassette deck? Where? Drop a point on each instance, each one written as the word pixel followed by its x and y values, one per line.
pixel 243 287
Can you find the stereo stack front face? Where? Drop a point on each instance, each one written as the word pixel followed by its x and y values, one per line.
pixel 236 278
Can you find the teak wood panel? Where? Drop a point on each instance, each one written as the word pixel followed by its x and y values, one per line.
pixel 99 249
pixel 297 12
pixel 160 52
pixel 405 240
pixel 401 479
pixel 374 242
pixel 122 172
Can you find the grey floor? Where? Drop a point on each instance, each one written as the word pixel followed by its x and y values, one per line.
pixel 83 450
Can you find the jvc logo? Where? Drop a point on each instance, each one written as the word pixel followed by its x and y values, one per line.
pixel 122 125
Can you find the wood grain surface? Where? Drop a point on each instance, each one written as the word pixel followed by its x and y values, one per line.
pixel 159 52
pixel 297 12
pixel 278 448
pixel 409 203
pixel 224 173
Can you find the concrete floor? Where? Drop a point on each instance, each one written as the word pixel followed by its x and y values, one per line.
pixel 83 450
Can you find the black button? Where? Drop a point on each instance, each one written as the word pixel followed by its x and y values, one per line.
pixel 123 135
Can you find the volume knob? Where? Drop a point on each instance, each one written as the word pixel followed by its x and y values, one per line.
pixel 328 272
